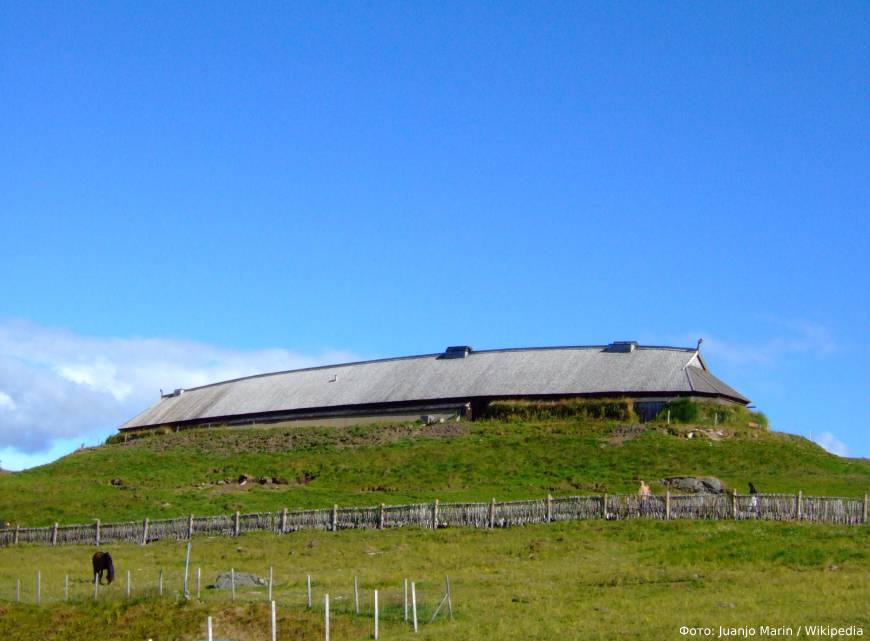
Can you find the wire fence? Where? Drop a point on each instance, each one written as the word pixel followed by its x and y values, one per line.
pixel 495 514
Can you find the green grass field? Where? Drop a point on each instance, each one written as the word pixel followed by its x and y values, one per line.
pixel 571 580
pixel 580 580
pixel 177 474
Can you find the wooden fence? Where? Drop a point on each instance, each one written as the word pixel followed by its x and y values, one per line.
pixel 776 507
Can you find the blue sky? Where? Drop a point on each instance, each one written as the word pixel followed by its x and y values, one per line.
pixel 197 190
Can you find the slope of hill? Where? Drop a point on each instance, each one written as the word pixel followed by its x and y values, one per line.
pixel 198 471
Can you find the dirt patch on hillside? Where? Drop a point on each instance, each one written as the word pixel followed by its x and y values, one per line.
pixel 283 438
pixel 623 433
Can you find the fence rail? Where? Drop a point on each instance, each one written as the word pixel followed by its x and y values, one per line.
pixel 774 507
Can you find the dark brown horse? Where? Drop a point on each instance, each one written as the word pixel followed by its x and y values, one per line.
pixel 103 563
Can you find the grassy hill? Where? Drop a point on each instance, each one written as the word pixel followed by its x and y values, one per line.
pixel 197 471
pixel 587 579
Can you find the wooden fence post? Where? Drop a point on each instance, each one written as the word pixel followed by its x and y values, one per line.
pixel 160 583
pixel 233 583
pixel 186 568
pixel 549 508
pixel 406 600
pixel 356 595
pixel 326 617
pixel 209 631
pixel 414 605
pixel 491 515
pixel 668 505
pixel 604 507
pixel 97 533
pixel 381 516
pixel 237 529
pixel 38 587
pixel 376 615
pixel 145 531
pixel 190 527
pixel 308 585
pixel 733 504
pixel 800 505
pixel 66 587
pixel 17 529
pixel 284 521
pixel 864 517
pixel 435 515
pixel 335 518
pixel 273 626
pixel 54 535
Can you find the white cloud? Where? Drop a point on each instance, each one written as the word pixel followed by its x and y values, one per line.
pixel 56 385
pixel 832 444
pixel 791 337
pixel 6 402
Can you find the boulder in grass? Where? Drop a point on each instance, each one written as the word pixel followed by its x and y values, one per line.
pixel 695 484
pixel 243 580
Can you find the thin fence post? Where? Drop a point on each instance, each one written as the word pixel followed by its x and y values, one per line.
pixel 492 513
pixel 325 617
pixel 38 587
pixel 549 508
pixel 198 580
pixel 54 535
pixel 208 628
pixel 66 587
pixel 381 516
pixel 308 584
pixel 669 417
pixel 274 630
pixel 145 531
pixel 435 515
pixel 127 586
pixel 160 583
pixel 356 595
pixel 97 533
pixel 334 518
pixel 18 591
pixel 284 521
pixel 800 505
pixel 270 583
pixel 406 600
pixel 190 527
pixel 96 587
pixel 864 515
pixel 449 599
pixel 734 504
pixel 604 507
pixel 237 529
pixel 233 583
pixel 668 505
pixel 17 530
pixel 187 567
pixel 376 614
pixel 414 605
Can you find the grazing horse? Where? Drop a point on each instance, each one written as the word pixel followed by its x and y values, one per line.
pixel 103 563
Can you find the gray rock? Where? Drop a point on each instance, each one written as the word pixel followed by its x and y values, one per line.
pixel 243 579
pixel 695 485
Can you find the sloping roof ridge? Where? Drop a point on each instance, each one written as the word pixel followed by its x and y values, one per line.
pixel 416 356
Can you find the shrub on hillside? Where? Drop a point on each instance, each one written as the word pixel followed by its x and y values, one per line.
pixel 684 410
pixel 617 409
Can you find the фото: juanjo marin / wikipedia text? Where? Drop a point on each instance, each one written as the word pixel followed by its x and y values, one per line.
pixel 762 631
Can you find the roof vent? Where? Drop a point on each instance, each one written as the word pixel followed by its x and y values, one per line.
pixel 456 351
pixel 622 347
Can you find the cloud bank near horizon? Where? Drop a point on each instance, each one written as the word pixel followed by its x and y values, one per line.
pixel 56 384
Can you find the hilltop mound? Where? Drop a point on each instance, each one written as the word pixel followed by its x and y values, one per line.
pixel 199 471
